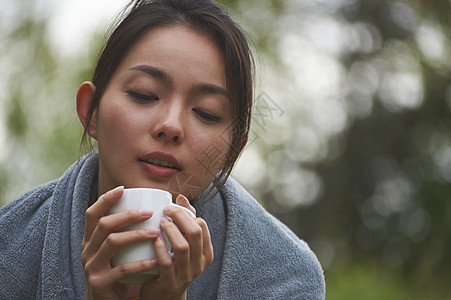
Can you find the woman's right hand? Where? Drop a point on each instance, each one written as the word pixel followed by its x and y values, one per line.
pixel 101 242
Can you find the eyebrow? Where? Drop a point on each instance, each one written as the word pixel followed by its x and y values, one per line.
pixel 154 72
pixel 161 75
pixel 210 89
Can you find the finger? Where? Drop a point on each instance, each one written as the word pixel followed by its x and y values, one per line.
pixel 117 241
pixel 132 268
pixel 167 272
pixel 183 201
pixel 206 242
pixel 201 250
pixel 186 224
pixel 112 223
pixel 192 233
pixel 179 244
pixel 99 208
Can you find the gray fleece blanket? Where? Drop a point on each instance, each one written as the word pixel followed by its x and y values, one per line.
pixel 256 256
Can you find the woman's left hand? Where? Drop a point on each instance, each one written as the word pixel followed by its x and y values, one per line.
pixel 193 253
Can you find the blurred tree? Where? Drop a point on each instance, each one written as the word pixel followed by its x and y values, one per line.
pixel 384 178
pixel 386 191
pixel 41 133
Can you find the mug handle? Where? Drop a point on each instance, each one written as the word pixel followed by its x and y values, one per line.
pixel 184 208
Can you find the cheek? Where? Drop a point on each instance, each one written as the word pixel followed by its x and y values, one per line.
pixel 210 155
pixel 206 156
pixel 109 127
pixel 116 125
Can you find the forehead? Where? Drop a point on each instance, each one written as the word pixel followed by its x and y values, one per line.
pixel 178 49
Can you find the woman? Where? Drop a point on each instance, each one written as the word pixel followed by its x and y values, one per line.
pixel 169 107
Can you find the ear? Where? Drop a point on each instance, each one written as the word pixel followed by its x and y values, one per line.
pixel 85 96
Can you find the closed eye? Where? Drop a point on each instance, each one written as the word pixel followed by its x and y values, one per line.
pixel 206 116
pixel 143 97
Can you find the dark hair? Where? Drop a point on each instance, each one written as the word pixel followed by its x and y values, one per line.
pixel 205 16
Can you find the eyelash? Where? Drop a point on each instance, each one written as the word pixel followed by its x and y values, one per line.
pixel 142 97
pixel 150 98
pixel 206 116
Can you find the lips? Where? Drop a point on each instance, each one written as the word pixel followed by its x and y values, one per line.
pixel 160 164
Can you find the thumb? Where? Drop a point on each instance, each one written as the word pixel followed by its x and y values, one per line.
pixel 183 201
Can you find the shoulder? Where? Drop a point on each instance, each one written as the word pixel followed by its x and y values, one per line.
pixel 30 200
pixel 240 202
pixel 272 257
pixel 32 204
pixel 22 224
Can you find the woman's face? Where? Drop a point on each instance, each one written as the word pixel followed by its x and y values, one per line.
pixel 164 120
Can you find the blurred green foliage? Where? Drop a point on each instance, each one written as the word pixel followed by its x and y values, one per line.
pixel 358 162
pixel 17 123
pixel 370 281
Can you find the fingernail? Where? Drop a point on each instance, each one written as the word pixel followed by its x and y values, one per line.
pixel 183 197
pixel 146 213
pixel 164 220
pixel 153 232
pixel 168 208
pixel 154 261
pixel 117 189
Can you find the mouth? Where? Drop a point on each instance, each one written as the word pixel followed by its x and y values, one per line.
pixel 160 163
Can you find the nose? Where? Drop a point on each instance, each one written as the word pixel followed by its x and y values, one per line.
pixel 169 126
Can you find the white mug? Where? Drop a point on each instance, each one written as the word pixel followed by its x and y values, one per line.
pixel 143 199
